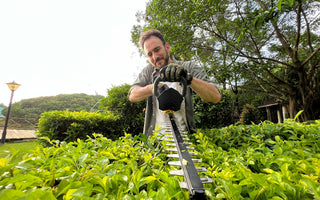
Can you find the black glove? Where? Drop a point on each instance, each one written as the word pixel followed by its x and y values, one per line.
pixel 173 73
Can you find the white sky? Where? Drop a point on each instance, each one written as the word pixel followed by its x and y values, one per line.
pixel 54 47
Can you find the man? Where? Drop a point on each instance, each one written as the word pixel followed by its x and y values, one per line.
pixel 161 63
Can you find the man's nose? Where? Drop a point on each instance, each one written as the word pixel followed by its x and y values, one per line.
pixel 156 55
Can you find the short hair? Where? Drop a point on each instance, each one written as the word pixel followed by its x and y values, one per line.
pixel 152 32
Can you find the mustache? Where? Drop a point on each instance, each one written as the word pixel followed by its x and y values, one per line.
pixel 160 58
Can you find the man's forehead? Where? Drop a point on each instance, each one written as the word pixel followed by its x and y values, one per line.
pixel 152 43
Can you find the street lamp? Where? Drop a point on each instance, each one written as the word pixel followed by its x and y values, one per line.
pixel 13 87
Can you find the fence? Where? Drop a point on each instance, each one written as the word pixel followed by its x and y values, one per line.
pixel 20 123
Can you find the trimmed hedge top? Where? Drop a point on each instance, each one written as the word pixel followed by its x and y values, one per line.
pixel 69 126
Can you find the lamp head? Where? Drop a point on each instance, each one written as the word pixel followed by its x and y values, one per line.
pixel 13 86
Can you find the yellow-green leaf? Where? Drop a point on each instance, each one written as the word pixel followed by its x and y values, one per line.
pixel 184 162
pixel 150 179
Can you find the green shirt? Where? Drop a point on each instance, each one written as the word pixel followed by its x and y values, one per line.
pixel 146 77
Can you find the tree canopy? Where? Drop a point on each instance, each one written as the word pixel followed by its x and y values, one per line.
pixel 32 108
pixel 266 47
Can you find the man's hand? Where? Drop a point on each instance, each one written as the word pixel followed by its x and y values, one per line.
pixel 173 73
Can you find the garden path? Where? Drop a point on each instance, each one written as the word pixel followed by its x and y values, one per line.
pixel 15 134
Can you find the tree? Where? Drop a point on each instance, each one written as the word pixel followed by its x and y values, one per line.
pixel 32 108
pixel 270 47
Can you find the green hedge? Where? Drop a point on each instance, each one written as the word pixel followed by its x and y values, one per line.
pixel 69 126
pixel 209 115
pixel 131 114
pixel 264 162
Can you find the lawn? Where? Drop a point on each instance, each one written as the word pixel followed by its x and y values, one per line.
pixel 22 147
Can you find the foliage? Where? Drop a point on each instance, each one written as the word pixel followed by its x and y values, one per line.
pixel 250 114
pixel 97 168
pixel 206 115
pixel 209 115
pixel 265 47
pixel 32 108
pixel 70 126
pixel 264 161
pixel 19 149
pixel 131 114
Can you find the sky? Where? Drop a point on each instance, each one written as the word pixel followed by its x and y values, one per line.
pixel 54 47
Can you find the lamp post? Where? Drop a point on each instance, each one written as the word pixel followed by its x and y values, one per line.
pixel 13 87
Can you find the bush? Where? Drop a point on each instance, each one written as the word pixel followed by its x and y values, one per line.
pixel 69 126
pixel 250 114
pixel 265 161
pixel 131 114
pixel 208 115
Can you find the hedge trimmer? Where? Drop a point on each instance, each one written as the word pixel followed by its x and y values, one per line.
pixel 169 102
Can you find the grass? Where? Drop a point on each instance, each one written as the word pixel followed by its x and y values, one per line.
pixel 23 148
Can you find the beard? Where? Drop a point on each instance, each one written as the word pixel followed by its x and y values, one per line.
pixel 166 60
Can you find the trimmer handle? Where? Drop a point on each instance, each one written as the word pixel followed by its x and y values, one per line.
pixel 159 79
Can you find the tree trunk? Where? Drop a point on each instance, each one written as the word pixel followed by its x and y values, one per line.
pixel 295 105
pixel 292 106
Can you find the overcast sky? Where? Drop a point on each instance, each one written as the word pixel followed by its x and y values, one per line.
pixel 54 47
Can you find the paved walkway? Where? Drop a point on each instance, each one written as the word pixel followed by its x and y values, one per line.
pixel 13 134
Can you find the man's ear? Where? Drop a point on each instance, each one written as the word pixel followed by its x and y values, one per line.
pixel 167 47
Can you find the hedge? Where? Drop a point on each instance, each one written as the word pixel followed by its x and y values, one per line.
pixel 69 126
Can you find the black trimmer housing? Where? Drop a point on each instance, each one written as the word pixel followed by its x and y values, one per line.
pixel 169 98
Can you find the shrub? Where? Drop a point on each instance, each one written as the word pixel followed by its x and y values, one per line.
pixel 264 161
pixel 250 114
pixel 97 168
pixel 68 126
pixel 131 114
pixel 208 115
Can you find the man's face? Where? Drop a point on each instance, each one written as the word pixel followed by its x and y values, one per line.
pixel 157 53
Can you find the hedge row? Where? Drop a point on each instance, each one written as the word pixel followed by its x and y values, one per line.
pixel 263 162
pixel 68 126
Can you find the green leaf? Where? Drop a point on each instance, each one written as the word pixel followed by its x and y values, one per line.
pixel 297 115
pixel 3 162
pixel 279 4
pixel 184 162
pixel 149 179
pixel 270 171
pixel 40 194
pixel 313 186
pixel 162 194
pixel 278 151
pixel 7 194
pixel 277 138
pixel 69 195
pixel 111 172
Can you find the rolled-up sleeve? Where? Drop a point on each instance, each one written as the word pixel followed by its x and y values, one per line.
pixel 144 78
pixel 198 72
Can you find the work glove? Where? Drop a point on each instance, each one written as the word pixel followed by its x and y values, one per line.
pixel 173 73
